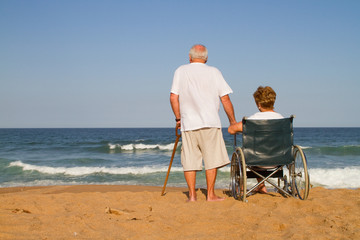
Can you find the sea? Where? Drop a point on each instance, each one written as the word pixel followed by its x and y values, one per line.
pixel 141 156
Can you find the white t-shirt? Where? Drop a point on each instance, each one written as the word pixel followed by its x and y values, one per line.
pixel 199 87
pixel 265 115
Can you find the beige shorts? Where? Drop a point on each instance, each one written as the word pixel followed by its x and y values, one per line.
pixel 204 144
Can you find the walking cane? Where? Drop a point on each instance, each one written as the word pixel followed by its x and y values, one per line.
pixel 172 157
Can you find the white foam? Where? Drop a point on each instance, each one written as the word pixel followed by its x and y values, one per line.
pixel 348 177
pixel 128 147
pixel 141 146
pixel 78 171
pixel 305 147
pixel 112 146
pixel 60 182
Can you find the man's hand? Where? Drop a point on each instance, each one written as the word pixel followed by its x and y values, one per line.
pixel 234 128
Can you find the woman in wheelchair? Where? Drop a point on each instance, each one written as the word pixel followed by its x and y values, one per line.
pixel 265 99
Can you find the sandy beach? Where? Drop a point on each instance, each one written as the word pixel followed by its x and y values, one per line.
pixel 139 212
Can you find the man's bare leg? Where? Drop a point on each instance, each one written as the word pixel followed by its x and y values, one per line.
pixel 210 181
pixel 190 177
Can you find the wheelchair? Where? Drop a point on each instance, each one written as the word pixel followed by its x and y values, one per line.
pixel 268 152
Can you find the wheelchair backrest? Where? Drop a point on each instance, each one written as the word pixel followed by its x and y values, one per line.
pixel 267 142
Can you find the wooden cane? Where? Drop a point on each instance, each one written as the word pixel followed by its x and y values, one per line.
pixel 172 157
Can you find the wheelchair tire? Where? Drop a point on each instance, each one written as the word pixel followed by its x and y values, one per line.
pixel 235 175
pixel 243 176
pixel 300 176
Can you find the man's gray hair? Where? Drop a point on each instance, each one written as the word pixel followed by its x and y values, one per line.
pixel 199 51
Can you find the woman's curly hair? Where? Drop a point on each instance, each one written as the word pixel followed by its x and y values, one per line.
pixel 265 97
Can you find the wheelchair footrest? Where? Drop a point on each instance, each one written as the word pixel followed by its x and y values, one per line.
pixel 265 173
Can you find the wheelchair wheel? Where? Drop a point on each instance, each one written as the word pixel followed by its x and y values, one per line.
pixel 238 179
pixel 300 176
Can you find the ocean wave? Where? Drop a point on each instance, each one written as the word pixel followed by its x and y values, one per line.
pixel 305 147
pixel 79 171
pixel 62 182
pixel 347 177
pixel 141 146
pixel 331 178
pixel 345 150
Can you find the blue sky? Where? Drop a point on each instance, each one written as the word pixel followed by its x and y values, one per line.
pixel 110 63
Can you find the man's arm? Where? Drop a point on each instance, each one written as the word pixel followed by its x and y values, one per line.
pixel 174 101
pixel 229 109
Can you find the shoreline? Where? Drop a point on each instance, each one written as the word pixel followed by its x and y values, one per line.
pixel 133 212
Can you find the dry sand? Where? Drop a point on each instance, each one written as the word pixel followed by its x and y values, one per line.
pixel 138 212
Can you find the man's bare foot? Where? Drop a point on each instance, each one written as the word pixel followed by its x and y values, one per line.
pixel 192 199
pixel 215 199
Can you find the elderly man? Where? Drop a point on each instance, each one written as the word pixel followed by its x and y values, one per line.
pixel 195 97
